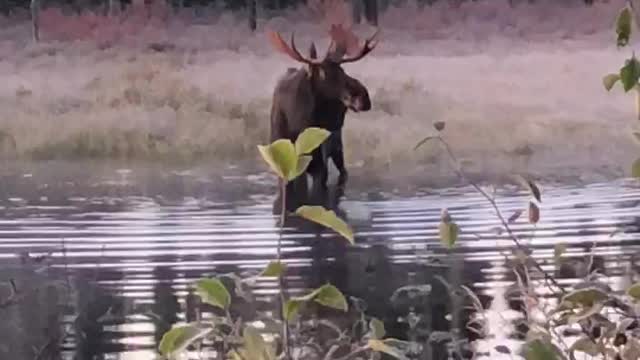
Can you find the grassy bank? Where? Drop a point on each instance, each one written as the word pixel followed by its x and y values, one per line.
pixel 520 88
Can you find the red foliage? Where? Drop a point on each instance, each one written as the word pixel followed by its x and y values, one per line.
pixel 104 29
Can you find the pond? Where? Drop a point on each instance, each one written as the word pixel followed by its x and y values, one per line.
pixel 130 247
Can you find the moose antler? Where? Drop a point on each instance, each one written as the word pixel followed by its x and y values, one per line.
pixel 343 42
pixel 292 51
pixel 346 42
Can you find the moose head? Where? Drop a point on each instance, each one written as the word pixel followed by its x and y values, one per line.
pixel 328 78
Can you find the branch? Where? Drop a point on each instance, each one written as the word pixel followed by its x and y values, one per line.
pixel 456 168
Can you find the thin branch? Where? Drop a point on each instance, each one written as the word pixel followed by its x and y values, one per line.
pixel 456 168
pixel 281 285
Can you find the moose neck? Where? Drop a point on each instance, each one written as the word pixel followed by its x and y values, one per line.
pixel 329 113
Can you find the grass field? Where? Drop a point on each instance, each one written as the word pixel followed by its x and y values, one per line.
pixel 519 88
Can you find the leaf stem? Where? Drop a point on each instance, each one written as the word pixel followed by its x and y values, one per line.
pixel 458 170
pixel 281 285
pixel 516 240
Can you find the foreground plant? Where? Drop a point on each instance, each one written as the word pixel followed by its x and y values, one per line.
pixel 606 321
pixel 240 340
pixel 629 73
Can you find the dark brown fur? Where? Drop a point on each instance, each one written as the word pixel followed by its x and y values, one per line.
pixel 299 103
pixel 318 95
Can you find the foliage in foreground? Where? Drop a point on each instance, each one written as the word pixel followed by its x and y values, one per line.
pixel 243 341
pixel 606 322
pixel 629 73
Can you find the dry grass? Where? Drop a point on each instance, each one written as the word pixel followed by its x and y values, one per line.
pixel 519 88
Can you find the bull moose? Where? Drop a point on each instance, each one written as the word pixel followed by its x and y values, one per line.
pixel 319 94
pixel 332 114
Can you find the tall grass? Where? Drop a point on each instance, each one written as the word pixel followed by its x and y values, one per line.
pixel 519 87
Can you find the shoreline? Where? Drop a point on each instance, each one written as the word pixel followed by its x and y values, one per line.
pixel 520 90
pixel 61 180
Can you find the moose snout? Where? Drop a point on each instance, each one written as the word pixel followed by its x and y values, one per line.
pixel 363 103
pixel 357 103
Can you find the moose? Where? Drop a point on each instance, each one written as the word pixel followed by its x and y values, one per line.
pixel 319 94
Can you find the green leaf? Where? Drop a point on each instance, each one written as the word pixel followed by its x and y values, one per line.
pixel 382 347
pixel 274 269
pixel 310 139
pixel 586 297
pixel 329 296
pixel 281 157
pixel 303 164
pixel 326 295
pixel 634 291
pixel 291 308
pixel 376 327
pixel 235 356
pixel 213 292
pixel 179 338
pixel 637 89
pixel 609 80
pixel 265 151
pixel 623 27
pixel 448 234
pixel 635 169
pixel 537 332
pixel 538 349
pixel 630 73
pixel 558 250
pixel 254 345
pixel 586 313
pixel 585 345
pixel 328 218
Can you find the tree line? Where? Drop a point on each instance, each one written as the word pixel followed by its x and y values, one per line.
pixel 363 10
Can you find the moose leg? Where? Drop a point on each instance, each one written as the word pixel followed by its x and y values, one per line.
pixel 318 168
pixel 338 156
pixel 297 193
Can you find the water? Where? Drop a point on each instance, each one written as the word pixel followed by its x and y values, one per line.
pixel 133 246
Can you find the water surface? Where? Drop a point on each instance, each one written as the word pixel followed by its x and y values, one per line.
pixel 133 247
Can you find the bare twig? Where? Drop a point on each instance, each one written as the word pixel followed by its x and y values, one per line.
pixel 505 223
pixel 458 170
